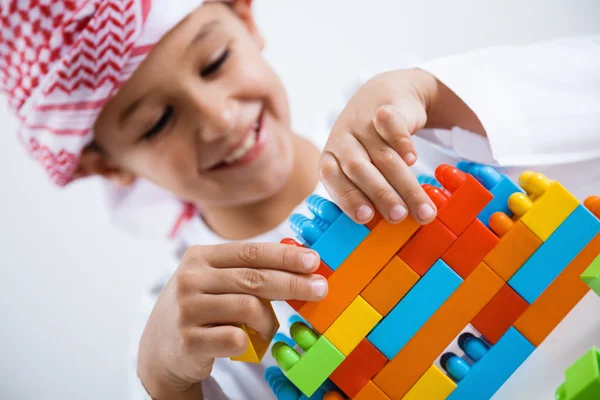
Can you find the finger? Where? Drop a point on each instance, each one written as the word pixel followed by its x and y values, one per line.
pixel 221 341
pixel 369 180
pixel 343 192
pixel 230 309
pixel 401 178
pixel 259 255
pixel 394 128
pixel 265 283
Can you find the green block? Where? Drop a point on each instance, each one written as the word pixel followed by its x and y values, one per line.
pixel 582 379
pixel 591 276
pixel 315 366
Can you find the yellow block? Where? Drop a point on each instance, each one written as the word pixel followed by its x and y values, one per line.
pixel 549 211
pixel 352 325
pixel 433 385
pixel 257 346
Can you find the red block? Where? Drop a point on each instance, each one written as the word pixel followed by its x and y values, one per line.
pixel 470 248
pixel 323 270
pixel 427 246
pixel 468 198
pixel 358 368
pixel 499 314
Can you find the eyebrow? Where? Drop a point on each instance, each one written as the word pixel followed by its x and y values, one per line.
pixel 201 35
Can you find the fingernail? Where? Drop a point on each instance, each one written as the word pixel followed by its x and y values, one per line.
pixel 319 287
pixel 425 212
pixel 398 213
pixel 309 261
pixel 410 158
pixel 364 213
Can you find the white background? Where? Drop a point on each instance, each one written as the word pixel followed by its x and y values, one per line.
pixel 70 280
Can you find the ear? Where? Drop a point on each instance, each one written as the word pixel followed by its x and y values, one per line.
pixel 244 12
pixel 93 163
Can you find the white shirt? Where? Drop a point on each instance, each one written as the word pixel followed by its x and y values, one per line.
pixel 540 107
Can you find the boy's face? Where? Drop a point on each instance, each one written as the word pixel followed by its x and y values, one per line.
pixel 204 116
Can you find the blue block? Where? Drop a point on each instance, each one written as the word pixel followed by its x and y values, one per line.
pixel 499 203
pixel 489 374
pixel 417 306
pixel 555 254
pixel 339 240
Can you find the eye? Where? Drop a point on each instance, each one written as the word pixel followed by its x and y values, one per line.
pixel 160 124
pixel 215 65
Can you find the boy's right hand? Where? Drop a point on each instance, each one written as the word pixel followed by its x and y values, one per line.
pixel 215 290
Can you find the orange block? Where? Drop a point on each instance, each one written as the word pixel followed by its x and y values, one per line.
pixel 499 314
pixel 559 298
pixel 513 250
pixel 404 370
pixel 470 248
pixel 358 368
pixel 371 392
pixel 389 286
pixel 468 199
pixel 427 246
pixel 374 221
pixel 355 273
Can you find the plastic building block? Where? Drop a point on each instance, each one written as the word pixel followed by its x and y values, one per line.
pixel 419 304
pixel 517 244
pixel 389 286
pixel 592 203
pixel 498 184
pixel 470 248
pixel 371 392
pixel 357 271
pixel 421 351
pixel 323 270
pixel 427 246
pixel 433 385
pixel 429 180
pixel 499 314
pixel 555 254
pixel 468 199
pixel 547 206
pixel 582 378
pixel 485 376
pixel 284 389
pixel 352 326
pixel 331 233
pixel 591 276
pixel 309 371
pixel 257 346
pixel 558 299
pixel 358 368
pixel 377 217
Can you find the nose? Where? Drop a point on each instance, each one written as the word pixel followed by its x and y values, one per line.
pixel 214 113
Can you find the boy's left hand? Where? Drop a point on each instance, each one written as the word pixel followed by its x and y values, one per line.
pixel 366 161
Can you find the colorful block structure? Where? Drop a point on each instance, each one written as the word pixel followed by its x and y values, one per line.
pixel 509 261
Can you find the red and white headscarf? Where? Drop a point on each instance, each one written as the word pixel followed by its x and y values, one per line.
pixel 62 60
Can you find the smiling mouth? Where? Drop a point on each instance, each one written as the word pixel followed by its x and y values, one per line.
pixel 245 151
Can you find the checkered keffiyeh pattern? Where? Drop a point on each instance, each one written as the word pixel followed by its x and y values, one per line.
pixel 60 62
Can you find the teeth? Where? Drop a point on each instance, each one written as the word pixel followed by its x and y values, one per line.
pixel 242 150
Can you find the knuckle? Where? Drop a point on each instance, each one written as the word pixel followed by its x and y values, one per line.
pixel 251 252
pixel 412 194
pixel 385 114
pixel 189 341
pixel 354 167
pixel 251 280
pixel 382 194
pixel 401 140
pixel 236 340
pixel 184 284
pixel 388 158
pixel 250 305
pixel 294 284
pixel 349 195
pixel 328 166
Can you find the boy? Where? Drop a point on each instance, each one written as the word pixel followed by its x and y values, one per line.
pixel 176 95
